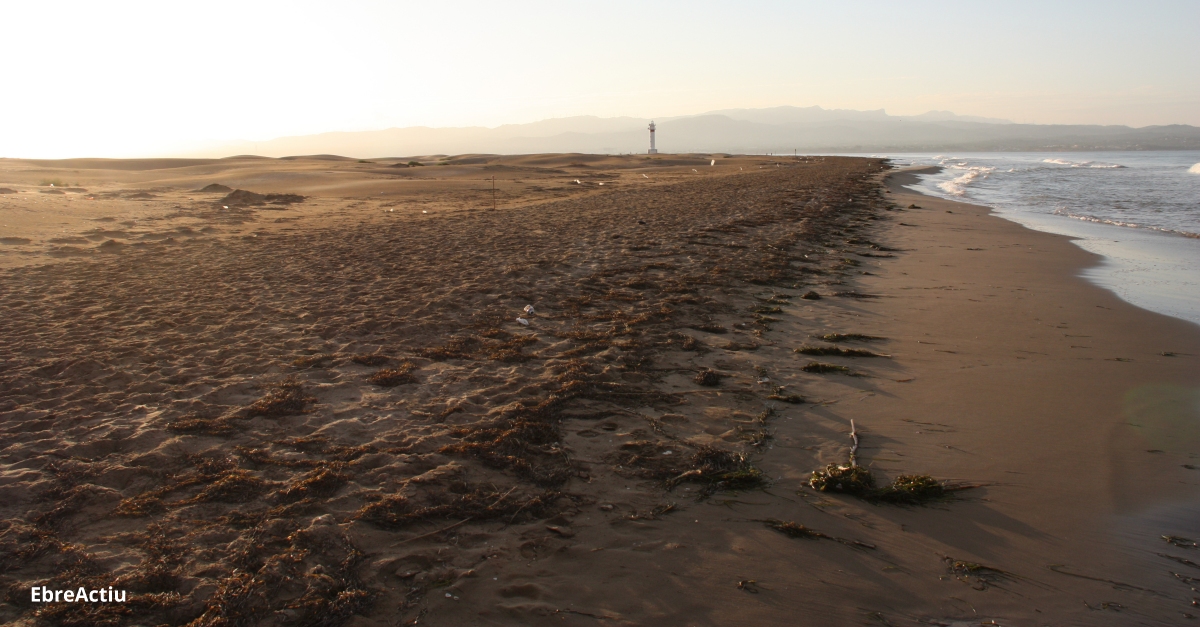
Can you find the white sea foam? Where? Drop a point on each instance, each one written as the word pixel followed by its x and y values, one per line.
pixel 1082 164
pixel 1195 169
pixel 958 186
pixel 1086 218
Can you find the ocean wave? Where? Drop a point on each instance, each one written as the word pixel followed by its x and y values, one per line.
pixel 1195 169
pixel 1083 164
pixel 1131 225
pixel 958 186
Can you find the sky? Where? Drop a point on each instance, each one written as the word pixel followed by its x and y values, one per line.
pixel 119 79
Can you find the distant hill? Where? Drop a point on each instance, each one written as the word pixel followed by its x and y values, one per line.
pixel 775 130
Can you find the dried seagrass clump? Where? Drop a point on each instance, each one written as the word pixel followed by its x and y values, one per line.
pixel 913 490
pixel 286 399
pixel 846 479
pixel 391 377
pixel 820 368
pixel 373 360
pixel 707 378
pixel 833 350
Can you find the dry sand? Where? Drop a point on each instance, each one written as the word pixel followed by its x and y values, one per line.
pixel 198 416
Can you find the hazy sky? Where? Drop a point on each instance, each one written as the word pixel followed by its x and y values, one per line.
pixel 122 78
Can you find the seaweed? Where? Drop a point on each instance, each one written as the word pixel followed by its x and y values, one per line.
pixel 373 360
pixel 820 368
pixel 848 337
pixel 810 295
pixel 219 426
pixel 977 575
pixel 397 511
pixel 707 378
pixel 837 351
pixel 392 377
pixel 286 399
pixel 313 361
pixel 796 530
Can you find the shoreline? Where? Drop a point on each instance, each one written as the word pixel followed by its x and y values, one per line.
pixel 1150 267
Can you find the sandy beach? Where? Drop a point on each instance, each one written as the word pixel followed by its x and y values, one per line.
pixel 331 406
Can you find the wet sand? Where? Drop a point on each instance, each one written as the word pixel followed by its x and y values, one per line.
pixel 340 419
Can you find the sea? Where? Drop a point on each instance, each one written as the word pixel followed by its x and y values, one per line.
pixel 1139 210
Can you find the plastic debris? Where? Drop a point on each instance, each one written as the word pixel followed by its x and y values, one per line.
pixel 523 321
pixel 645 177
pixel 423 211
pixel 714 162
pixel 577 182
pixel 528 309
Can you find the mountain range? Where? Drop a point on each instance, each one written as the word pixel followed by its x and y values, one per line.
pixel 775 130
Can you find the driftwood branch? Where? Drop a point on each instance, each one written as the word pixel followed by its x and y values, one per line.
pixel 854 447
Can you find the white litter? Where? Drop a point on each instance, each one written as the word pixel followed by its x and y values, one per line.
pixel 577 181
pixel 523 321
pixel 528 309
pixel 225 206
pixel 645 177
pixel 695 170
pixel 764 380
pixel 714 162
pixel 600 183
pixel 668 452
pixel 424 211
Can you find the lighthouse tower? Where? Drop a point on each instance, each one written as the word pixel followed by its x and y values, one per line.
pixel 653 150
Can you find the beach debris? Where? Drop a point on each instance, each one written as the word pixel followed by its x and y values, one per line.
pixel 817 367
pixel 392 377
pixel 528 309
pixel 852 479
pixel 749 585
pixel 313 361
pixel 653 514
pixel 810 295
pixel 287 398
pixel 578 182
pixel 849 479
pixel 848 337
pixel 645 177
pixel 707 378
pixel 1183 543
pixel 695 170
pixel 561 530
pixel 714 162
pixel 373 359
pixel 523 321
pixel 834 350
pixel 977 575
pixel 796 530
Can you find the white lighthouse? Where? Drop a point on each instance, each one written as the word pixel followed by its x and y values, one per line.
pixel 653 150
